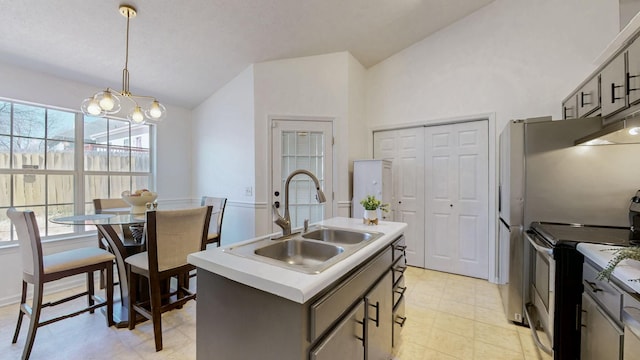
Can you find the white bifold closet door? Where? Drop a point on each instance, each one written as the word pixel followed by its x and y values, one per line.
pixel 441 188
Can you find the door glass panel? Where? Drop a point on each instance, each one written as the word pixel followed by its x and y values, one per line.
pixel 303 150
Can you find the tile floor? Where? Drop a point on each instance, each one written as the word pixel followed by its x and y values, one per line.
pixel 449 317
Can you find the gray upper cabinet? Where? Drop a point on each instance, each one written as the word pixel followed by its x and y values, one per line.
pixel 588 97
pixel 613 82
pixel 633 72
pixel 570 108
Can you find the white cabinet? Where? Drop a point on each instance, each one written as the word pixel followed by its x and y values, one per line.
pixel 570 107
pixel 633 72
pixel 613 81
pixel 371 177
pixel 589 97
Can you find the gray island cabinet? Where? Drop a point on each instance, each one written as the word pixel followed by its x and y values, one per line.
pixel 248 309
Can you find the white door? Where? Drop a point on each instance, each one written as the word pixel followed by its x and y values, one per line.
pixel 405 149
pixel 456 198
pixel 308 145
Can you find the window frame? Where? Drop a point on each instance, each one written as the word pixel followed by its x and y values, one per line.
pixel 80 203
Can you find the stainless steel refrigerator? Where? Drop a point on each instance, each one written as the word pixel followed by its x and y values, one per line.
pixel 544 177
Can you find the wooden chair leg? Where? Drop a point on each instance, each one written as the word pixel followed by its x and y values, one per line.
pixel 23 300
pixel 102 272
pixel 133 281
pixel 156 314
pixel 109 291
pixel 90 290
pixel 35 319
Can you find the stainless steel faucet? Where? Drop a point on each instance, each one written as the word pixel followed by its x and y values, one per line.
pixel 285 222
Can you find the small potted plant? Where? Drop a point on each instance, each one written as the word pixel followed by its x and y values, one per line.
pixel 371 206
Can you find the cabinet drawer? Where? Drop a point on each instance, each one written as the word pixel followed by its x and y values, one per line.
pixel 399 247
pixel 399 320
pixel 330 307
pixel 398 290
pixel 398 268
pixel 605 293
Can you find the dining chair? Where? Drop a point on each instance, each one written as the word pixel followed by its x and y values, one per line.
pixel 107 205
pixel 217 214
pixel 38 269
pixel 171 235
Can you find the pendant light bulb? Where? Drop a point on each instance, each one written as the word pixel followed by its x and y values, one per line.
pixel 107 103
pixel 156 111
pixel 91 106
pixel 136 115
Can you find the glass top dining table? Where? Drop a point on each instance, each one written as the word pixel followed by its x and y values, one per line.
pixel 104 218
pixel 109 225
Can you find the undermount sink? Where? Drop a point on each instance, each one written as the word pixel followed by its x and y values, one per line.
pixel 340 236
pixel 300 252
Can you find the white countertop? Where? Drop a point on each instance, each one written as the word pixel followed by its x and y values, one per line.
pixel 293 285
pixel 626 270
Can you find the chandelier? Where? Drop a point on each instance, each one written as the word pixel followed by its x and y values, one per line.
pixel 107 102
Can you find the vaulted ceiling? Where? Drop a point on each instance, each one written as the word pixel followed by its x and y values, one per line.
pixel 183 51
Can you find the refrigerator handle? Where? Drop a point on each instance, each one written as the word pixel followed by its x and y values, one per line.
pixel 499 198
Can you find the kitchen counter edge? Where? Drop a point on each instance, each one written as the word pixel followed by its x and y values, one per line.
pixel 626 271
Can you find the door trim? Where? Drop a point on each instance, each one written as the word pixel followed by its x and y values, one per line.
pixel 334 176
pixel 493 172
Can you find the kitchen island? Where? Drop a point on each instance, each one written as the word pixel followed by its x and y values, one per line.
pixel 248 308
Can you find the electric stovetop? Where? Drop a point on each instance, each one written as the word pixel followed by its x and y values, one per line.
pixel 571 233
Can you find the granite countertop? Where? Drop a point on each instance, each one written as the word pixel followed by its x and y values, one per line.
pixel 626 270
pixel 290 284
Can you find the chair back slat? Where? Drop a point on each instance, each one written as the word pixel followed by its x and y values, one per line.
pixel 29 239
pixel 218 204
pixel 174 234
pixel 101 204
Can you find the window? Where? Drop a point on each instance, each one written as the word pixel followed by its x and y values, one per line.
pixel 56 162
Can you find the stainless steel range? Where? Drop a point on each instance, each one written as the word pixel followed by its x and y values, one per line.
pixel 555 281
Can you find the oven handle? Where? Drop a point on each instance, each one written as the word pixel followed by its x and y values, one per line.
pixel 534 333
pixel 539 245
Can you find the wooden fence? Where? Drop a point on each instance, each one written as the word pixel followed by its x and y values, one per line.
pixel 30 187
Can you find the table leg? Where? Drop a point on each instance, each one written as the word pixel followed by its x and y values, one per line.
pixel 121 307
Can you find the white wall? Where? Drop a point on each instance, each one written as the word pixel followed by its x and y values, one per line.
pixel 317 86
pixel 356 127
pixel 515 58
pixel 510 59
pixel 173 133
pixel 232 132
pixel 174 171
pixel 223 154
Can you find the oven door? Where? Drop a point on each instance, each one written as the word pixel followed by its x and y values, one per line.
pixel 540 310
